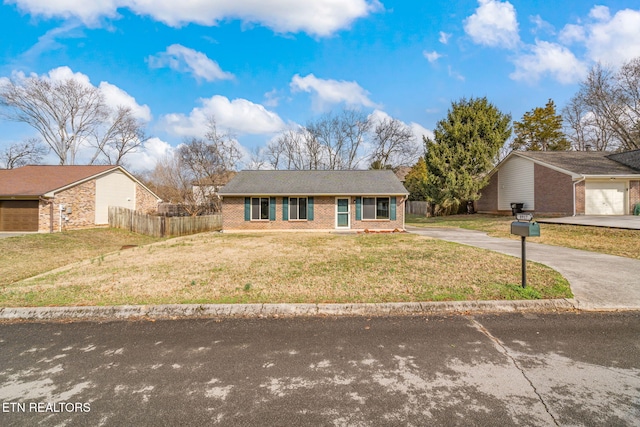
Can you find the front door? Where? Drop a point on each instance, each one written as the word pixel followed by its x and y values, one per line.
pixel 342 213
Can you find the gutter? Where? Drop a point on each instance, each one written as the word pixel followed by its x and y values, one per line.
pixel 574 193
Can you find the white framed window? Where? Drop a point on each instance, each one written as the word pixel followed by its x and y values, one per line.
pixel 297 208
pixel 375 208
pixel 259 208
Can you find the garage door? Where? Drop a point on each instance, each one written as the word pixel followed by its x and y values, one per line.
pixel 19 215
pixel 604 198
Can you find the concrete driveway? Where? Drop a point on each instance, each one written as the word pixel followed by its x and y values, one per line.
pixel 4 234
pixel 610 221
pixel 598 281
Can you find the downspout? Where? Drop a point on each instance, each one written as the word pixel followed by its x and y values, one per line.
pixel 574 194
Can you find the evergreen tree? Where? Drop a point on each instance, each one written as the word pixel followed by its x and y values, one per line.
pixel 540 130
pixel 416 181
pixel 465 147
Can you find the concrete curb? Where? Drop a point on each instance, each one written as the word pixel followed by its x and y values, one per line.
pixel 176 311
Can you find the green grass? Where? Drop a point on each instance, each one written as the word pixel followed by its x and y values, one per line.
pixel 287 267
pixel 32 254
pixel 625 243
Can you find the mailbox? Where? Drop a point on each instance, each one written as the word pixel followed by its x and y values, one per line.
pixel 525 229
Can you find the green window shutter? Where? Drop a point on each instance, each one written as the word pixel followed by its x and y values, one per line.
pixel 272 209
pixel 247 208
pixel 285 209
pixel 309 208
pixel 392 213
pixel 358 208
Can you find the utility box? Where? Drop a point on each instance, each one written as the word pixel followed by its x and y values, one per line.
pixel 525 229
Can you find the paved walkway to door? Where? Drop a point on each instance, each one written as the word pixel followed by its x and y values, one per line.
pixel 598 281
pixel 611 221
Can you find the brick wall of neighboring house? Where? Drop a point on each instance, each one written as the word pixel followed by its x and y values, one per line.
pixel 580 198
pixel 488 202
pixel 145 201
pixel 82 201
pixel 634 195
pixel 553 191
pixel 324 213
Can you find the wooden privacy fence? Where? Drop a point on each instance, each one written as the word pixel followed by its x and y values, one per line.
pixel 161 226
pixel 416 208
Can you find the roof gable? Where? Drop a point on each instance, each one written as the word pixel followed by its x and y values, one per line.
pixel 39 180
pixel 578 163
pixel 314 182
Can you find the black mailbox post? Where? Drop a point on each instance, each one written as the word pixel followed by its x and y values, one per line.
pixel 525 227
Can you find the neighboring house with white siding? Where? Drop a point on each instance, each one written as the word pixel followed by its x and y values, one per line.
pixel 564 183
pixel 55 198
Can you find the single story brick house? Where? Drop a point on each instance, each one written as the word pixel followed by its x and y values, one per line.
pixel 55 198
pixel 564 183
pixel 314 200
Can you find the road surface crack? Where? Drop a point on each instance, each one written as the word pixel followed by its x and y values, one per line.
pixel 502 349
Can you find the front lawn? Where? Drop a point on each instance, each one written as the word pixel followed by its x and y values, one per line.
pixel 31 254
pixel 611 241
pixel 285 267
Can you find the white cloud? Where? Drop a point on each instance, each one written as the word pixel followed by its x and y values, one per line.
pixel 329 92
pixel 548 59
pixel 572 33
pixel 419 131
pixel 493 24
pixel 614 40
pixel 456 75
pixel 431 56
pixel 237 116
pixel 541 25
pixel 318 17
pixel 184 59
pixel 600 13
pixel 114 96
pixel 444 37
pixel 146 157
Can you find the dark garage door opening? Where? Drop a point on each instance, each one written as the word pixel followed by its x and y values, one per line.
pixel 18 215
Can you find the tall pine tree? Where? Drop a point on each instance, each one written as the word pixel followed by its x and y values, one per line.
pixel 465 147
pixel 540 130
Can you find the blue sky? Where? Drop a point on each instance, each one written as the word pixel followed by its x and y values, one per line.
pixel 261 66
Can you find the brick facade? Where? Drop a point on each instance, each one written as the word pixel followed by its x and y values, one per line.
pixel 81 199
pixel 580 198
pixel 145 201
pixel 634 195
pixel 553 191
pixel 488 202
pixel 324 213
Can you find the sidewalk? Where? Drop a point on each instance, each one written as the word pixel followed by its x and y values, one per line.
pixel 598 281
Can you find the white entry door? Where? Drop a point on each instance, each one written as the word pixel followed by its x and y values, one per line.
pixel 605 198
pixel 342 213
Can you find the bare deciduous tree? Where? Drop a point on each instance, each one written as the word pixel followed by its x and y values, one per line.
pixel 69 115
pixel 394 144
pixel 605 113
pixel 199 166
pixel 124 135
pixel 30 151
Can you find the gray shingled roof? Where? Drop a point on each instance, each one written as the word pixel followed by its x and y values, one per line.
pixel 309 183
pixel 629 158
pixel 582 162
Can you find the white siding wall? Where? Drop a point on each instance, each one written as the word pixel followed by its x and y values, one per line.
pixel 114 189
pixel 516 183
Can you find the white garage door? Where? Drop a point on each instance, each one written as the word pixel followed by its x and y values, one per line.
pixel 604 198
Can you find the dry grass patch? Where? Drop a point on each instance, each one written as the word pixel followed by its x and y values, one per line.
pixel 289 267
pixel 31 254
pixel 611 241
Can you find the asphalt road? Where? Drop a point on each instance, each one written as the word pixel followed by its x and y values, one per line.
pixel 517 369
